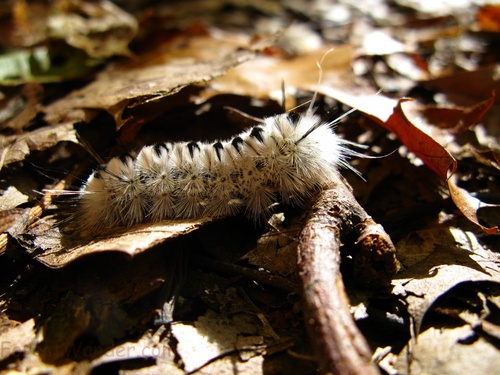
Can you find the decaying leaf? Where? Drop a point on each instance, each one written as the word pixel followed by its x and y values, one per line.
pixel 212 338
pixel 447 351
pixel 41 65
pixel 18 340
pixel 149 348
pixel 393 115
pixel 16 148
pixel 437 260
pixel 22 107
pixel 457 119
pixel 488 18
pixel 300 72
pixel 101 29
pixel 476 84
pixel 12 198
pixel 124 87
pixel 89 300
pixel 92 31
pixel 276 252
pixel 458 326
pixel 56 253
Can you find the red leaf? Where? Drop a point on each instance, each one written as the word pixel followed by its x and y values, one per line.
pixel 457 119
pixel 435 156
pixel 390 114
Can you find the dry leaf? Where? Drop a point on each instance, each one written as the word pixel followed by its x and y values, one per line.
pixel 101 28
pixel 301 72
pixel 17 147
pixel 437 259
pixel 149 346
pixel 18 340
pixel 488 18
pixel 390 114
pixel 446 351
pixel 56 253
pixel 425 147
pixel 212 338
pixel 12 198
pixel 87 303
pixel 457 119
pixel 459 325
pixel 123 87
pixel 276 251
pixel 469 85
pixel 22 107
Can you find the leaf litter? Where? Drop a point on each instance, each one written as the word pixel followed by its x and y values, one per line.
pixel 447 128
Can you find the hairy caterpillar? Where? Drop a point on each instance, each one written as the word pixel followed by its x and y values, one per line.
pixel 287 156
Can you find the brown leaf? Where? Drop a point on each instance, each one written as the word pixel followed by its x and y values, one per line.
pixel 390 114
pixel 487 157
pixel 438 158
pixel 17 147
pixel 469 205
pixel 211 338
pixel 441 350
pixel 57 254
pixel 457 119
pixel 488 18
pixel 101 29
pixel 475 84
pixel 123 86
pixel 263 76
pixel 29 102
pixel 436 259
pixel 17 340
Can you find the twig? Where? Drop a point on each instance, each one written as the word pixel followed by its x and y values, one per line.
pixel 259 276
pixel 335 218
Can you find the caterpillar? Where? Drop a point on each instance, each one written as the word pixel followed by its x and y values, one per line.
pixel 287 156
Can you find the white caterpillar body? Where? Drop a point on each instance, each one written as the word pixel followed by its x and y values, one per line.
pixel 286 157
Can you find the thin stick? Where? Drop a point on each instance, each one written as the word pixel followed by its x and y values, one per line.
pixel 333 220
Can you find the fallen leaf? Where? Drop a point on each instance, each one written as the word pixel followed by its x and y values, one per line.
pixel 435 261
pixel 16 147
pixel 457 119
pixel 276 252
pixel 18 340
pixel 446 351
pixel 469 205
pixel 425 147
pixel 29 102
pixel 212 338
pixel 149 346
pixel 301 72
pixel 12 198
pixel 42 65
pixel 488 18
pixel 462 87
pixel 391 114
pixel 56 253
pixel 123 87
pixel 101 29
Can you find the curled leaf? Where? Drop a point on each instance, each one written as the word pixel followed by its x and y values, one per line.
pixel 424 146
pixel 391 114
pixel 469 205
pixel 457 118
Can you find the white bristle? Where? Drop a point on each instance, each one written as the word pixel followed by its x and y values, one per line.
pixel 287 156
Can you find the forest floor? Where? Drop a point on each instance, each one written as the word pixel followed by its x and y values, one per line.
pixel 392 270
